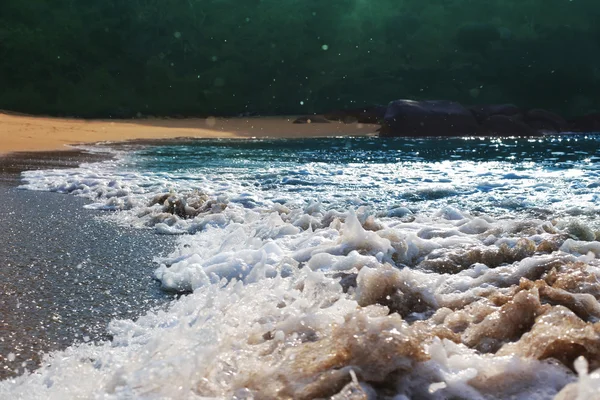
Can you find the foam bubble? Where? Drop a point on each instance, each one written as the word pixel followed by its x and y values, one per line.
pixel 342 291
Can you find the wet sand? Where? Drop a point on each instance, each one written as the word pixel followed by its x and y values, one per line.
pixel 12 164
pixel 29 133
pixel 64 274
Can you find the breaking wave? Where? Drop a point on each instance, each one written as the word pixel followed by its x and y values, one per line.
pixel 306 274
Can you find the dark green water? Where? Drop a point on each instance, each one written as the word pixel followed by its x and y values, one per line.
pixel 100 58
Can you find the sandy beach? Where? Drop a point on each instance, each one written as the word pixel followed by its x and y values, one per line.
pixel 30 133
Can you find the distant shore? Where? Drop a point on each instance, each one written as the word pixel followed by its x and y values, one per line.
pixel 31 133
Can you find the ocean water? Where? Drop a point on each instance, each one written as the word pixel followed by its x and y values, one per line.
pixel 348 267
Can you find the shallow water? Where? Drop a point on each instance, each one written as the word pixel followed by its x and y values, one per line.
pixel 499 177
pixel 423 268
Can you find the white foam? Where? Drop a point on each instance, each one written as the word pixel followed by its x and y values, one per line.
pixel 587 385
pixel 262 271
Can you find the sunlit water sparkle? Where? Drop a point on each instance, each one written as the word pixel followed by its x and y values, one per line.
pixel 303 260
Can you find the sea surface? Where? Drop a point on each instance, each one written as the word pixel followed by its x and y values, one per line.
pixel 348 267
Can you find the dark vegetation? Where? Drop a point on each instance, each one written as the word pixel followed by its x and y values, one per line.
pixel 117 58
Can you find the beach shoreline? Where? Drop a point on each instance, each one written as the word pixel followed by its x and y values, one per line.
pixel 441 233
pixel 25 133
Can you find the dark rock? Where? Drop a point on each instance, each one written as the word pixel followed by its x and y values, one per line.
pixel 504 125
pixel 428 118
pixel 363 115
pixel 484 111
pixel 311 119
pixel 544 120
pixel 544 126
pixel 586 123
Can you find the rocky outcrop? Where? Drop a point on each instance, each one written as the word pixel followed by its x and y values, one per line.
pixel 504 125
pixel 546 121
pixel 428 118
pixel 410 118
pixel 420 118
pixel 586 123
pixel 484 111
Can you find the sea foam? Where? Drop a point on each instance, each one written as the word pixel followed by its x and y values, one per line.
pixel 355 290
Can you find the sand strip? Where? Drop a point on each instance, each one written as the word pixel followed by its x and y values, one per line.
pixel 29 133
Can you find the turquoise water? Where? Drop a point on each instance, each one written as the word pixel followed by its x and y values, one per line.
pixel 415 268
pixel 559 151
pixel 496 176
